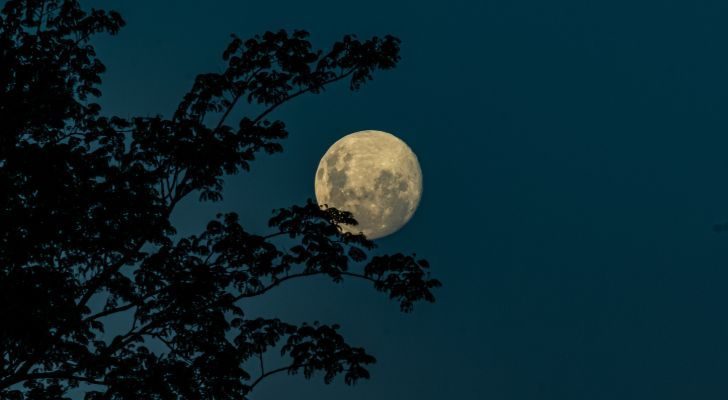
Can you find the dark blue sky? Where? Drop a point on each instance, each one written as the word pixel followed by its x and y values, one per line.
pixel 575 156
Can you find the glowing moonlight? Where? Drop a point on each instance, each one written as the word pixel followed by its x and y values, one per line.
pixel 375 176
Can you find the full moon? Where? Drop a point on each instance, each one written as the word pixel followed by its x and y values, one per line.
pixel 375 176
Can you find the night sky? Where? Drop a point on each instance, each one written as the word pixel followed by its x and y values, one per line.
pixel 574 154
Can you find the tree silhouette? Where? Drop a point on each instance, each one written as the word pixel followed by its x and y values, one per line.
pixel 85 219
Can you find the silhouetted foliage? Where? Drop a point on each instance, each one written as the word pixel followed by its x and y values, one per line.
pixel 85 214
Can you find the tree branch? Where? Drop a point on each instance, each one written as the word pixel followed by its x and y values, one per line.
pixel 124 307
pixel 64 375
pixel 275 371
pixel 146 329
pixel 300 92
pixel 109 312
pixel 236 98
pixel 274 284
pixel 14 379
pixel 260 357
pixel 272 235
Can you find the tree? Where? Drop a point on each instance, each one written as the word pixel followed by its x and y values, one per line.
pixel 85 219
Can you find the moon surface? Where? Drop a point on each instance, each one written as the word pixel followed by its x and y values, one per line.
pixel 375 176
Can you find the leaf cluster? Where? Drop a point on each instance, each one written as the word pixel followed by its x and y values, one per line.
pixel 86 235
